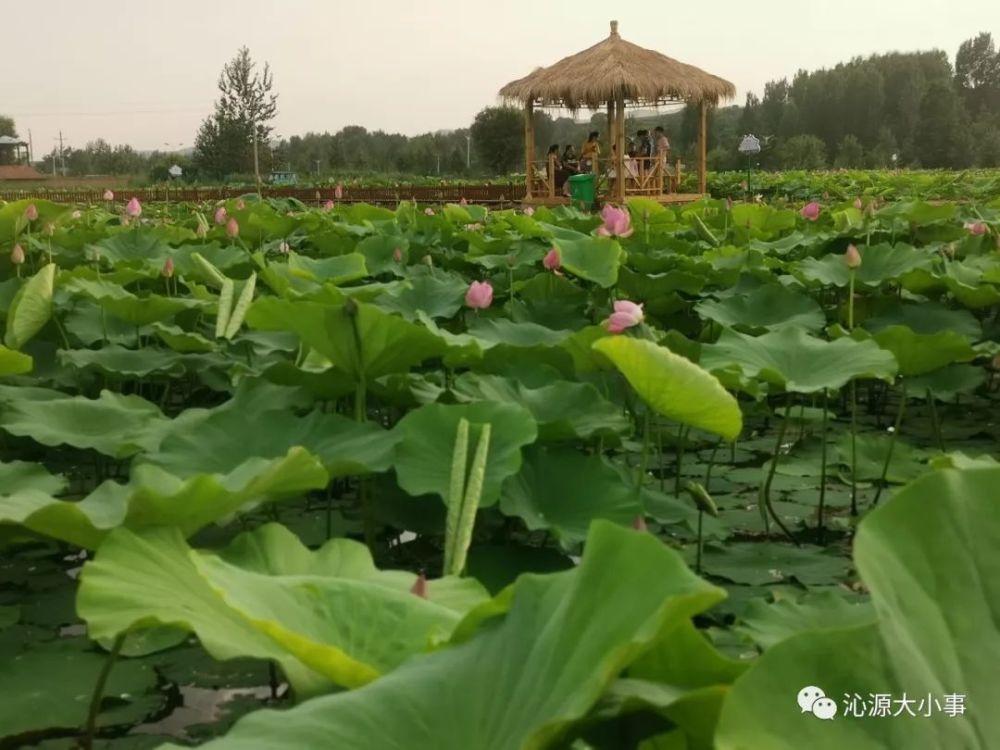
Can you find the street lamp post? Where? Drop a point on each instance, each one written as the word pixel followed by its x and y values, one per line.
pixel 750 145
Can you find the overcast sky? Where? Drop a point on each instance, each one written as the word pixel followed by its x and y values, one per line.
pixel 145 72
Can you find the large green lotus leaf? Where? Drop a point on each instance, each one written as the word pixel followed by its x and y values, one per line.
pixel 769 623
pixel 918 353
pixel 684 678
pixel 48 686
pixel 112 424
pixel 381 256
pixel 497 566
pixel 946 383
pixel 562 490
pixel 439 295
pixel 595 259
pixel 550 645
pixel 674 386
pixel 31 307
pixel 879 263
pixel 269 596
pixel 13 220
pixel 14 363
pixel 564 410
pixel 503 331
pixel 340 269
pixel 121 303
pixel 387 343
pixel 770 307
pixel 796 361
pixel 763 220
pixel 185 342
pixel 872 450
pixel 460 349
pixel 427 444
pixel 134 248
pixel 135 363
pixel 928 558
pixel 758 563
pixel 552 301
pixel 218 442
pixel 157 498
pixel 16 476
pixel 967 284
pixel 649 287
pixel 927 317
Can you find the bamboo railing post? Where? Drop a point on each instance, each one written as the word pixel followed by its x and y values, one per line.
pixel 661 169
pixel 529 144
pixel 552 176
pixel 702 141
pixel 620 149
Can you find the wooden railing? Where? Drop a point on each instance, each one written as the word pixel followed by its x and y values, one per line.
pixel 648 175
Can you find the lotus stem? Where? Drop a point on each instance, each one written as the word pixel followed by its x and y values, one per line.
pixel 892 445
pixel 765 490
pixel 682 434
pixel 935 421
pixel 644 457
pixel 90 729
pixel 456 491
pixel 854 450
pixel 820 526
pixel 464 498
pixel 697 556
pixel 711 464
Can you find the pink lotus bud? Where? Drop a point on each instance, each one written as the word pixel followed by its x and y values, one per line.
pixel 977 229
pixel 463 202
pixel 232 229
pixel 480 295
pixel 420 586
pixel 529 211
pixel 858 204
pixel 338 191
pixel 76 214
pixel 283 248
pixel 428 211
pixel 220 215
pixel 168 267
pixel 810 211
pixel 397 255
pixel 552 261
pixel 639 524
pixel 202 230
pixel 626 315
pixel 328 206
pixel 133 208
pixel 30 212
pixel 108 195
pixel 240 204
pixel 852 257
pixel 617 222
pixel 17 255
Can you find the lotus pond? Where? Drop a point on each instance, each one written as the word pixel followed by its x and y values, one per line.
pixel 279 477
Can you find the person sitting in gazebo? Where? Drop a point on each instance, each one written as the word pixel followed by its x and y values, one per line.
pixel 569 160
pixel 560 174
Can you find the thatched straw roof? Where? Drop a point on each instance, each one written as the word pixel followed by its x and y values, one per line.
pixel 615 68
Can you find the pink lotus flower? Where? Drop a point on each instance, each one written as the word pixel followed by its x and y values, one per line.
pixel 283 247
pixel 858 204
pixel 810 211
pixel 529 211
pixel 420 586
pixel 168 267
pixel 232 229
pixel 617 222
pixel 976 229
pixel 108 195
pixel 852 257
pixel 397 256
pixel 480 295
pixel 17 255
pixel 220 215
pixel 428 211
pixel 463 202
pixel 338 192
pixel 30 212
pixel 626 315
pixel 133 208
pixel 240 204
pixel 328 205
pixel 552 260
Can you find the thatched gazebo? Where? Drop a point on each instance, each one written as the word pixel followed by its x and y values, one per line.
pixel 616 74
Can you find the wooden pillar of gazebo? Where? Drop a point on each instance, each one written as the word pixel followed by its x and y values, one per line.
pixel 619 193
pixel 529 145
pixel 702 144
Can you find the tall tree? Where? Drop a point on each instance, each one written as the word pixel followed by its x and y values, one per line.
pixel 977 74
pixel 498 135
pixel 225 142
pixel 7 128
